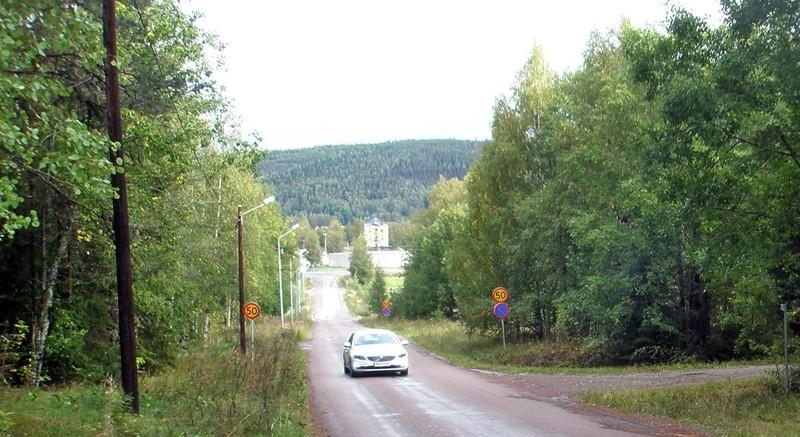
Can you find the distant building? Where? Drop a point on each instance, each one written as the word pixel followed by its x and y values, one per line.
pixel 376 233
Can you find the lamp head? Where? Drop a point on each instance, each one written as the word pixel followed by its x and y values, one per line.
pixel 269 200
pixel 295 226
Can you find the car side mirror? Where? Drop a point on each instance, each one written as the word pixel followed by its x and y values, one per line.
pixel 347 344
pixel 404 342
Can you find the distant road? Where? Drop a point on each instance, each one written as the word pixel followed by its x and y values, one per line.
pixel 436 399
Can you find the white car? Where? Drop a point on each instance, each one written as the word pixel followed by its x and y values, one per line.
pixel 374 350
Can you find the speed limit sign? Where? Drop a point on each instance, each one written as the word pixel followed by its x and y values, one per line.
pixel 500 294
pixel 251 310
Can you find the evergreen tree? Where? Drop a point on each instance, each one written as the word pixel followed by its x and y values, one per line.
pixel 353 230
pixel 360 262
pixel 335 236
pixel 377 292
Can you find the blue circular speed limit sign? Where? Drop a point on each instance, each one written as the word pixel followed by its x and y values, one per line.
pixel 501 310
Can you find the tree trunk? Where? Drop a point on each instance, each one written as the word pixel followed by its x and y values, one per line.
pixel 228 312
pixel 695 308
pixel 44 300
pixel 205 326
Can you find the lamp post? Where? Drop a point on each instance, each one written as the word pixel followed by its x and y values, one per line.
pixel 280 275
pixel 291 294
pixel 240 225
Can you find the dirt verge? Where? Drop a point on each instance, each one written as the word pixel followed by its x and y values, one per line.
pixel 564 390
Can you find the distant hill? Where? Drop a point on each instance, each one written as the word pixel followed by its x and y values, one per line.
pixel 356 181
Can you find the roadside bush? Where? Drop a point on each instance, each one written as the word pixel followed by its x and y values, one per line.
pixel 656 354
pixel 775 382
pixel 13 369
pixel 210 391
pixel 549 354
pixel 225 393
pixel 356 296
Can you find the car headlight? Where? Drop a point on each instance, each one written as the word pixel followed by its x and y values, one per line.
pixel 359 357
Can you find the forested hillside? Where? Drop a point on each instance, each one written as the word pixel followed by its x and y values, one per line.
pixel 356 181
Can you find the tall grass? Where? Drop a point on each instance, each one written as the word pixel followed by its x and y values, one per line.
pixel 755 407
pixel 211 391
pixel 394 282
pixel 451 341
pixel 356 296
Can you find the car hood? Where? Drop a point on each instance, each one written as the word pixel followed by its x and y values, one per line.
pixel 378 349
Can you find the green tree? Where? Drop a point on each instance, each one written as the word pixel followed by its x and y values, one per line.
pixel 510 166
pixel 727 163
pixel 361 266
pixel 444 194
pixel 186 174
pixel 428 288
pixel 377 292
pixel 335 236
pixel 353 230
pixel 309 240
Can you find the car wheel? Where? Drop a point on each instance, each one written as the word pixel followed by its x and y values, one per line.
pixel 404 372
pixel 353 373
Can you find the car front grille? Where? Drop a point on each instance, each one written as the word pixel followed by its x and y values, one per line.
pixel 381 358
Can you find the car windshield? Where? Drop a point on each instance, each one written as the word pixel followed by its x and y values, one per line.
pixel 375 338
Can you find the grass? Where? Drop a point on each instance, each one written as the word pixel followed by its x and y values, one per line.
pixel 75 410
pixel 394 282
pixel 733 408
pixel 211 391
pixel 356 296
pixel 450 340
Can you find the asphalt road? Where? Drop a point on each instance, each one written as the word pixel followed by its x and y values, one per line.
pixel 436 399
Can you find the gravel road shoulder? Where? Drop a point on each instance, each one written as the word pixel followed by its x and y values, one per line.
pixel 564 391
pixel 570 386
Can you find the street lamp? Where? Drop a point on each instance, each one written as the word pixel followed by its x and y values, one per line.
pixel 291 294
pixel 280 275
pixel 240 225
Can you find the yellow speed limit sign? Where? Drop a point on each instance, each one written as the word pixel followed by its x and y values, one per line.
pixel 251 310
pixel 500 294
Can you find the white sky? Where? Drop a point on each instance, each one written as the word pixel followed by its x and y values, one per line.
pixel 312 72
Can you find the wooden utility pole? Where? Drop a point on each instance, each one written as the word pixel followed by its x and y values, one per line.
pixel 122 241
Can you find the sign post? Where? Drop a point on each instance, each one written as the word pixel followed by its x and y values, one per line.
pixel 501 308
pixel 251 311
pixel 252 340
pixel 503 328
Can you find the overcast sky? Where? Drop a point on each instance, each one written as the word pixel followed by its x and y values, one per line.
pixel 312 72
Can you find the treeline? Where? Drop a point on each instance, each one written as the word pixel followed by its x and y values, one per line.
pixel 357 181
pixel 186 175
pixel 646 205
